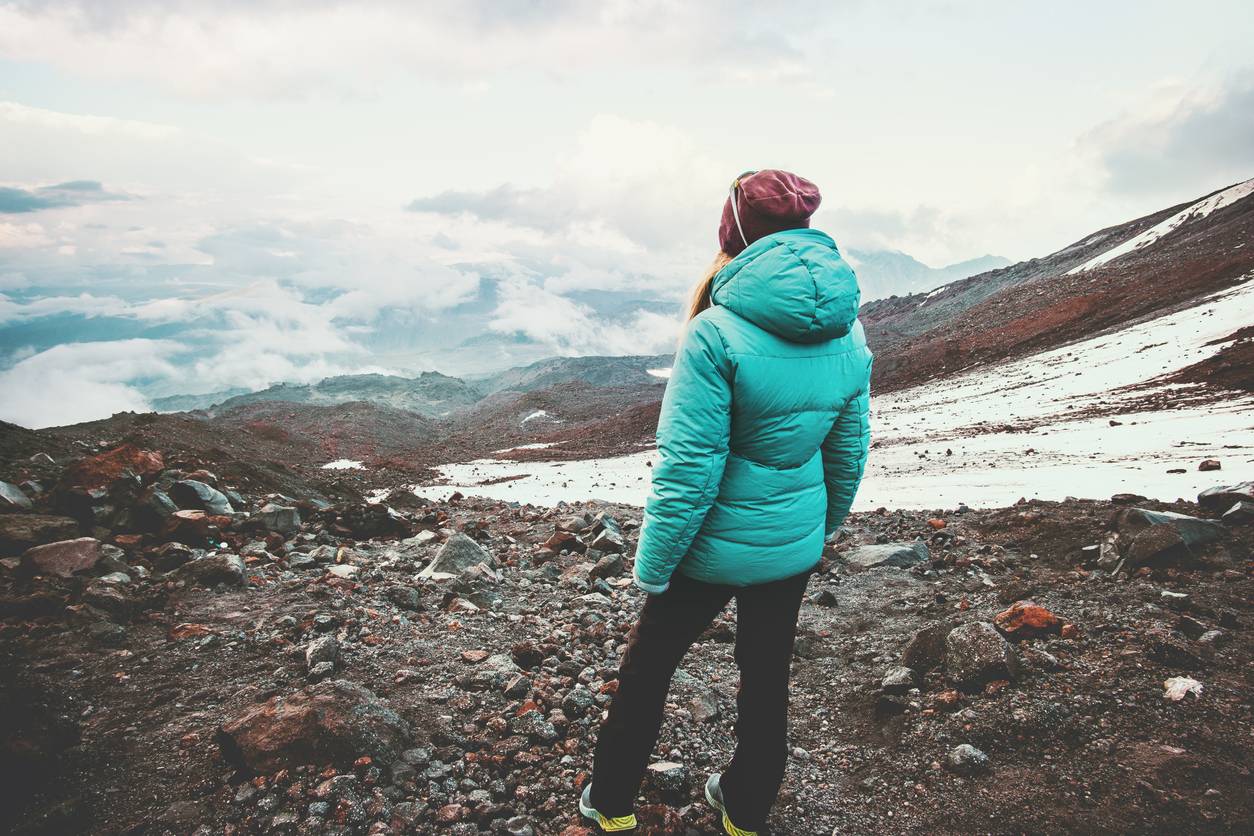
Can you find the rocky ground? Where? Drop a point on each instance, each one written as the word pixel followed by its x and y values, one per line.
pixel 186 653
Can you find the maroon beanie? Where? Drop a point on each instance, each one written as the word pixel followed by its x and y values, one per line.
pixel 769 201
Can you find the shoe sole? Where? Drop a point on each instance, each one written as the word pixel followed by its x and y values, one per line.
pixel 709 796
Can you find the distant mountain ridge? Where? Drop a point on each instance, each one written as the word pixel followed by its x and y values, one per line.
pixel 884 273
pixel 436 395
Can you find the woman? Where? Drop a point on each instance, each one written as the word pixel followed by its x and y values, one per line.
pixel 762 441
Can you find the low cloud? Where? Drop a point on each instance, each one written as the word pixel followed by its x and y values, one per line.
pixel 15 201
pixel 82 381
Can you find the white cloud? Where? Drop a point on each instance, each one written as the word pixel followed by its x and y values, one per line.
pixel 82 381
pixel 573 329
pixel 281 49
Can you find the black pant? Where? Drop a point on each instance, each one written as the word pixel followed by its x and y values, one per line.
pixel 669 623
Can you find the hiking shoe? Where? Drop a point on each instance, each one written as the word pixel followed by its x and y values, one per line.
pixel 714 795
pixel 617 824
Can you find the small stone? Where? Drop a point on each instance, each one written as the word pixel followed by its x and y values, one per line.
pixel 1025 619
pixel 899 680
pixel 965 759
pixel 458 554
pixel 899 555
pixel 670 779
pixel 824 598
pixel 281 518
pixel 322 649
pixel 975 653
pixel 1207 465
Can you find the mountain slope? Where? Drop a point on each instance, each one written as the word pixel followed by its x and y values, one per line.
pixel 1075 292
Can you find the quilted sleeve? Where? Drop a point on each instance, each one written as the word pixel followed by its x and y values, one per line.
pixel 692 438
pixel 844 455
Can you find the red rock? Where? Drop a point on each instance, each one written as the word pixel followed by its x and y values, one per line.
pixel 1025 619
pixel 936 522
pixel 179 632
pixel 450 813
pixel 104 469
pixel 128 541
pixel 1070 631
pixel 194 528
pixel 333 721
pixel 475 656
pixel 63 558
pixel 1209 464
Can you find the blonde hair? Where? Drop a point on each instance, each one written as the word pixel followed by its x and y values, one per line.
pixel 701 293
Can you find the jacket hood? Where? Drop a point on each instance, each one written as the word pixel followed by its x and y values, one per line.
pixel 794 284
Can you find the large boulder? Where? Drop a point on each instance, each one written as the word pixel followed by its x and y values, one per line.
pixel 191 495
pixel 901 555
pixel 18 532
pixel 1195 533
pixel 333 722
pixel 458 554
pixel 976 653
pixel 64 558
pixel 102 470
pixel 1222 497
pixel 12 498
pixel 151 510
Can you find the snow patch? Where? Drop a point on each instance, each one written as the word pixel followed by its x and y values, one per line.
pixel 1150 236
pixel 662 373
pixel 343 464
pixel 1010 429
pixel 539 413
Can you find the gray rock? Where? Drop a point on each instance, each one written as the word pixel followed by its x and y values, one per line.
pixel 704 706
pixel 322 649
pixel 965 759
pixel 670 779
pixel 926 649
pixel 190 494
pixel 1194 532
pixel 321 671
pixel 593 599
pixel 533 724
pixel 898 680
pixel 215 569
pixel 900 555
pixel 405 597
pixel 578 702
pixel 281 518
pixel 607 567
pixel 824 598
pixel 1241 513
pixel 458 554
pixel 12 498
pixel 1220 497
pixel 1157 542
pixel 976 653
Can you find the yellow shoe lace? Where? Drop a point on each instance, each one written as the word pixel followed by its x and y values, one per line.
pixel 618 823
pixel 732 830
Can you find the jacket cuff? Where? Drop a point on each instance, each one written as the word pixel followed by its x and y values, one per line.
pixel 651 588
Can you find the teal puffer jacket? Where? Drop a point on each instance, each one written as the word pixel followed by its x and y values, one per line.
pixel 763 434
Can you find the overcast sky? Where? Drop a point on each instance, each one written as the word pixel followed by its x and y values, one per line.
pixel 273 178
